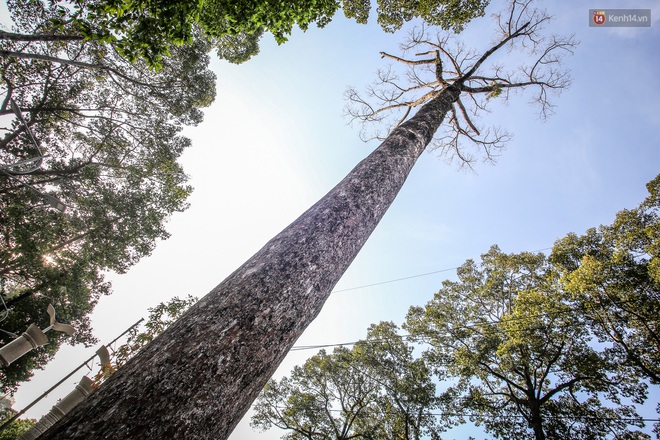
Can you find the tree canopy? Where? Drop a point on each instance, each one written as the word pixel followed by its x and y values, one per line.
pixel 149 30
pixel 377 389
pixel 100 135
pixel 525 363
pixel 17 428
pixel 613 274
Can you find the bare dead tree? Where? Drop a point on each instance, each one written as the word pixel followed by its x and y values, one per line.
pixel 439 60
pixel 199 377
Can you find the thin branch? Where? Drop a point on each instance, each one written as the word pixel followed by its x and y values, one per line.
pixel 34 56
pixel 466 117
pixel 11 36
pixel 491 51
pixel 404 61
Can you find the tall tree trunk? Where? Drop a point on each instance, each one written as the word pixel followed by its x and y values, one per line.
pixel 199 378
pixel 536 420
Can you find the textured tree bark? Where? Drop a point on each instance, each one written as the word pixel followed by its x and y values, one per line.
pixel 199 378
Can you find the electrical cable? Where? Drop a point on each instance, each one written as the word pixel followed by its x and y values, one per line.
pixel 412 276
pixel 550 315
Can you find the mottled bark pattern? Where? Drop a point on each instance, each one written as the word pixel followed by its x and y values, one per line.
pixel 198 379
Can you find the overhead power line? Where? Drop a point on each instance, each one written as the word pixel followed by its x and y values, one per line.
pixel 412 276
pixel 554 314
pixel 395 280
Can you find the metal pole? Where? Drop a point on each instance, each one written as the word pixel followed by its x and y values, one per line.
pixel 34 402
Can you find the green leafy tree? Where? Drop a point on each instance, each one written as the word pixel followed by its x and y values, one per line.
pixel 406 406
pixel 376 390
pixel 523 360
pixel 111 132
pixel 613 273
pixel 322 399
pixel 392 14
pixel 17 428
pixel 149 30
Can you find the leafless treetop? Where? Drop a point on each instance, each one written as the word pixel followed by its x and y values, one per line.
pixel 521 57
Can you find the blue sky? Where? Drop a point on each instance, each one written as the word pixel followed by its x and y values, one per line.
pixel 276 140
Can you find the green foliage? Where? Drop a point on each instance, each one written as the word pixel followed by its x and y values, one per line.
pixel 160 318
pixel 523 360
pixel 496 92
pixel 613 275
pixel 111 130
pixel 448 14
pixel 304 403
pixel 238 48
pixel 17 428
pixel 376 390
pixel 357 9
pixel 230 17
pixel 404 407
pixel 148 30
pixel 145 29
